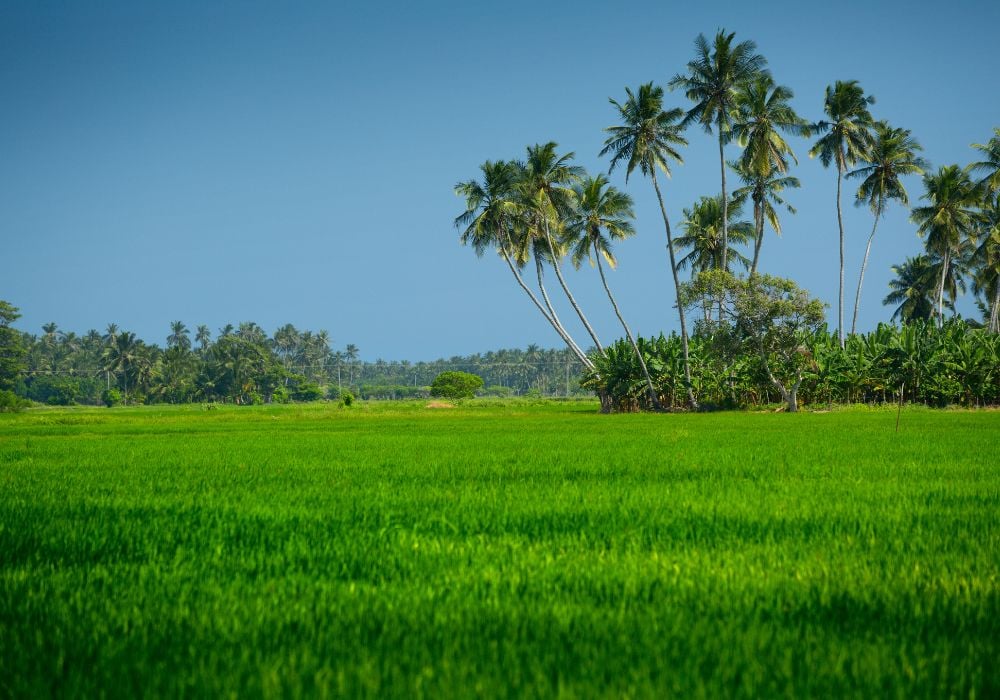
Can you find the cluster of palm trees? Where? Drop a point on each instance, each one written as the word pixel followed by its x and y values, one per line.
pixel 543 209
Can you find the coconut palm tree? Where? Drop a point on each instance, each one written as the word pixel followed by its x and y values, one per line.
pixel 913 289
pixel 647 139
pixel 763 112
pixel 491 221
pixel 990 165
pixel 547 196
pixel 121 354
pixel 713 81
pixel 764 190
pixel 949 221
pixel 203 336
pixel 603 214
pixel 893 154
pixel 846 140
pixel 702 226
pixel 180 336
pixel 986 259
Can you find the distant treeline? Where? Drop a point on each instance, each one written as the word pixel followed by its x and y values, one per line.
pixel 243 364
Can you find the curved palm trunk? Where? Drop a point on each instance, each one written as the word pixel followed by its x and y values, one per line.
pixel 677 289
pixel 840 225
pixel 758 220
pixel 725 207
pixel 638 355
pixel 554 323
pixel 940 289
pixel 565 288
pixel 864 265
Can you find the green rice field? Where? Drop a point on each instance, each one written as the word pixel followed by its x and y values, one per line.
pixel 498 550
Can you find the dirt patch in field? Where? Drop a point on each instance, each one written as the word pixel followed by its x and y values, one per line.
pixel 440 404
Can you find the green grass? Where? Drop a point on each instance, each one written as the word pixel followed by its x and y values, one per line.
pixel 498 549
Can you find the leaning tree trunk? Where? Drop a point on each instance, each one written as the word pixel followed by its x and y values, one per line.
pixel 554 323
pixel 864 265
pixel 565 288
pixel 940 289
pixel 677 287
pixel 638 355
pixel 725 207
pixel 840 225
pixel 555 318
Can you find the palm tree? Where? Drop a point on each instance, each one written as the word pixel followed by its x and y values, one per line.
pixel 950 219
pixel 179 336
pixel 764 189
pixel 603 214
pixel 203 336
pixel 990 166
pixel 702 226
pixel 912 289
pixel 893 154
pixel 647 139
pixel 763 111
pixel 490 220
pixel 122 353
pixel 714 78
pixel 352 353
pixel 546 188
pixel 846 140
pixel 987 260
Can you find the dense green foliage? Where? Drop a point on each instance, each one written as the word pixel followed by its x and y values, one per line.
pixel 456 385
pixel 953 365
pixel 502 550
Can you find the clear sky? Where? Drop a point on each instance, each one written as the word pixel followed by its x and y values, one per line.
pixel 217 162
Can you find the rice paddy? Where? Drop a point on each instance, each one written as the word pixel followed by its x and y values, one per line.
pixel 498 550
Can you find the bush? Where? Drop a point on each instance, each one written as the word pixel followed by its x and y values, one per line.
pixel 456 385
pixel 111 397
pixel 307 391
pixel 11 402
pixel 346 397
pixel 280 395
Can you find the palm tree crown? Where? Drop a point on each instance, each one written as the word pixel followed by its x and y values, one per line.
pixel 648 136
pixel 912 289
pixel 846 138
pixel 990 165
pixel 763 111
pixel 702 226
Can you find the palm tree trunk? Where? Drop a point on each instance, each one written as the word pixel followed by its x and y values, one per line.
pixel 556 323
pixel 677 288
pixel 995 310
pixel 840 225
pixel 638 355
pixel 940 289
pixel 725 206
pixel 864 265
pixel 758 220
pixel 572 301
pixel 553 322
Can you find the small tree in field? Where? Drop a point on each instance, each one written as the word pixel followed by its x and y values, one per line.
pixel 770 317
pixel 456 385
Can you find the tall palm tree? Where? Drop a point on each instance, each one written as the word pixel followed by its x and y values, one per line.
pixel 647 139
pixel 179 336
pixel 950 219
pixel 913 289
pixel 987 260
pixel 203 336
pixel 990 165
pixel 764 190
pixel 603 214
pixel 763 112
pixel 546 188
pixel 714 78
pixel 702 226
pixel 845 141
pixel 893 154
pixel 351 352
pixel 122 353
pixel 491 217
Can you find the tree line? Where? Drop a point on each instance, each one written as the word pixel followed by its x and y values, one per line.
pixel 244 365
pixel 537 212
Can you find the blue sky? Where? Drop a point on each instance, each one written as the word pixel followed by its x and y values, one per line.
pixel 295 162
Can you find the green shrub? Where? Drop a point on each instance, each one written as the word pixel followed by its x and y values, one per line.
pixel 307 391
pixel 111 397
pixel 456 385
pixel 280 395
pixel 346 397
pixel 11 402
